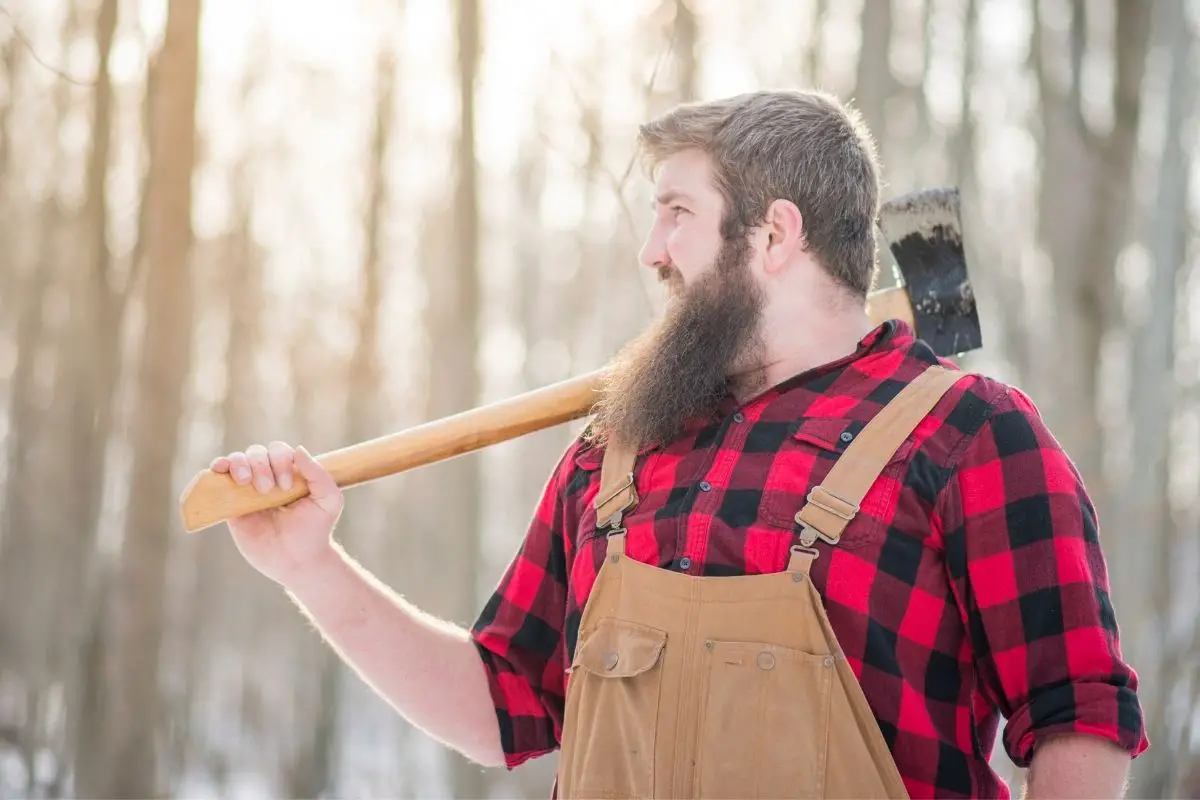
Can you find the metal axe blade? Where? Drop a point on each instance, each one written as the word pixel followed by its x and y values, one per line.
pixel 924 233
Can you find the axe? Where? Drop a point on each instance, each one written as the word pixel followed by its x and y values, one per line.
pixel 923 232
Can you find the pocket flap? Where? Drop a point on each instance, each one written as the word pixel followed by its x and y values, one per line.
pixel 834 435
pixel 620 649
pixel 829 433
pixel 590 457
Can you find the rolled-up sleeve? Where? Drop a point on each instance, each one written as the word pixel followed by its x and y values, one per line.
pixel 519 631
pixel 1031 582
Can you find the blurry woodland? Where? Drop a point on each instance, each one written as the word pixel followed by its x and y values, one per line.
pixel 225 223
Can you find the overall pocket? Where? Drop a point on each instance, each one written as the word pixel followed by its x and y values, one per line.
pixel 765 724
pixel 611 715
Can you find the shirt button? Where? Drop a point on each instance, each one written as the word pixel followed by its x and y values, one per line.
pixel 685 563
pixel 705 486
pixel 739 417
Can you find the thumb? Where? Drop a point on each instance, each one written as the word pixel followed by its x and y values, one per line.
pixel 323 490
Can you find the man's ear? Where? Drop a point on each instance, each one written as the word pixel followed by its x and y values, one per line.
pixel 784 226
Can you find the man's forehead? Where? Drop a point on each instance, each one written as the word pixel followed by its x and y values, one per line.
pixel 687 175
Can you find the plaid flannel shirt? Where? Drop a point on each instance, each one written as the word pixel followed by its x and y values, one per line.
pixel 970 587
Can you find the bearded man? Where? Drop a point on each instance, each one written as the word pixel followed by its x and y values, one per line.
pixel 793 554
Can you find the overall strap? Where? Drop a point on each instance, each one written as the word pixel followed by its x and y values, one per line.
pixel 617 493
pixel 832 505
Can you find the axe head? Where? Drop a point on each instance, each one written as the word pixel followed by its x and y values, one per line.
pixel 924 233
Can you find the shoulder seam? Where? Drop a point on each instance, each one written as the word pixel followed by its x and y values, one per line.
pixel 994 402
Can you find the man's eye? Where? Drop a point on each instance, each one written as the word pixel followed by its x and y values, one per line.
pixel 676 210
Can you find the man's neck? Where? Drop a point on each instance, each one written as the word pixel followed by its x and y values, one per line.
pixel 802 342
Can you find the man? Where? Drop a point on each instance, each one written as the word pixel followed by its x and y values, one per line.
pixel 686 615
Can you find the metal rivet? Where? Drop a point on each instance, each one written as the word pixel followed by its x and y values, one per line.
pixel 739 417
pixel 846 436
pixel 797 577
pixel 614 559
pixel 827 662
pixel 766 660
pixel 611 661
pixel 708 644
pixel 705 486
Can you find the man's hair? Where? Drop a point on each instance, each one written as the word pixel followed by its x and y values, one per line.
pixel 802 146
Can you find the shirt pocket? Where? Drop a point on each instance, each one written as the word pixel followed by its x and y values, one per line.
pixel 804 460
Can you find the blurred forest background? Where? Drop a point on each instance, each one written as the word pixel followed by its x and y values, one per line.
pixel 226 223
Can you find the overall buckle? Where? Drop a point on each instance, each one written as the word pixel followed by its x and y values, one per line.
pixel 830 503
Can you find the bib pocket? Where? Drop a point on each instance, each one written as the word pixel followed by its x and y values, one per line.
pixel 765 723
pixel 611 714
pixel 803 462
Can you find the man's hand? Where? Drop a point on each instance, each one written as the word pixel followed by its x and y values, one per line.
pixel 1077 765
pixel 282 543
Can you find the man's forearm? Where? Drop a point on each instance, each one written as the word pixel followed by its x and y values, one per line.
pixel 1076 765
pixel 426 668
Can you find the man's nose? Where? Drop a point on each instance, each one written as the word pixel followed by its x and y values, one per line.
pixel 654 252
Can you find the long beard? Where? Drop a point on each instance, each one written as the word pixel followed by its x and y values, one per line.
pixel 678 370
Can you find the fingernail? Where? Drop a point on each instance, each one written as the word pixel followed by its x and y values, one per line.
pixel 243 474
pixel 264 485
pixel 285 481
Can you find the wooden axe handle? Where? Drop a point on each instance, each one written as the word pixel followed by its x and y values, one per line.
pixel 212 497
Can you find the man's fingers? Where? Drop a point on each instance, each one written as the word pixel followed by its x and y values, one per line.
pixel 220 464
pixel 280 456
pixel 321 486
pixel 239 466
pixel 260 465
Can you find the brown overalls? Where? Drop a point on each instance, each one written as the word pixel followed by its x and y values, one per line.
pixel 730 687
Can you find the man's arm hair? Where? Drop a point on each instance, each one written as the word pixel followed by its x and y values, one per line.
pixel 1077 765
pixel 427 669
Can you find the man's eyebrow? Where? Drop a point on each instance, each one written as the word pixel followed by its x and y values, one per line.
pixel 668 197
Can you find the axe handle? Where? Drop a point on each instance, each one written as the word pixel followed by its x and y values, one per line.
pixel 212 497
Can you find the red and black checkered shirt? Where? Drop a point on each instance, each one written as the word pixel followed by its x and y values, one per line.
pixel 971 585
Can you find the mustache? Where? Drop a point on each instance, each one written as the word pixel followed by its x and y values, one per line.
pixel 670 276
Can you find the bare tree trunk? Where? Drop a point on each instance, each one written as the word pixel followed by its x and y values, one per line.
pixel 687 37
pixel 1067 190
pixel 1144 503
pixel 30 662
pixel 226 609
pixel 1083 174
pixel 365 382
pixel 539 321
pixel 317 761
pixel 93 357
pixel 11 62
pixel 874 82
pixel 140 591
pixel 10 59
pixel 98 648
pixel 815 61
pixel 454 382
pixel 24 555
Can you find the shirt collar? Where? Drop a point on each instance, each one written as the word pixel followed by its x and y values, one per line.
pixel 882 341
